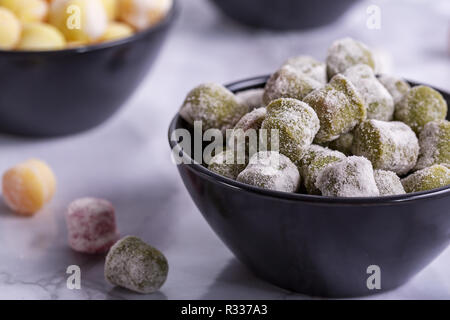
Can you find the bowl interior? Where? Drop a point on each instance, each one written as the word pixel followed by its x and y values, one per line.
pixel 259 82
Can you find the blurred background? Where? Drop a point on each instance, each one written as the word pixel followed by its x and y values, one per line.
pixel 127 160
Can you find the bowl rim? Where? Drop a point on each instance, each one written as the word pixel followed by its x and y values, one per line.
pixel 168 19
pixel 257 82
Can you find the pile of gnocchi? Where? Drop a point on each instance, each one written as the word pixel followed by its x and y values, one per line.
pixel 40 25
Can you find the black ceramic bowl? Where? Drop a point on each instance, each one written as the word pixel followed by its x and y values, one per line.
pixel 316 245
pixel 50 93
pixel 284 14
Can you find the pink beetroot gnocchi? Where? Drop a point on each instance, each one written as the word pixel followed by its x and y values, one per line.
pixel 91 225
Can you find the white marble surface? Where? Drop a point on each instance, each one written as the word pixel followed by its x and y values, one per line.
pixel 127 159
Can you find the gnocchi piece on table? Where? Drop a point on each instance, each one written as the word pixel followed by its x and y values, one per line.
pixel 28 186
pixel 133 264
pixel 91 225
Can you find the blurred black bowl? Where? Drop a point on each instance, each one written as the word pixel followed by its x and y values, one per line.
pixel 317 245
pixel 51 93
pixel 284 14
